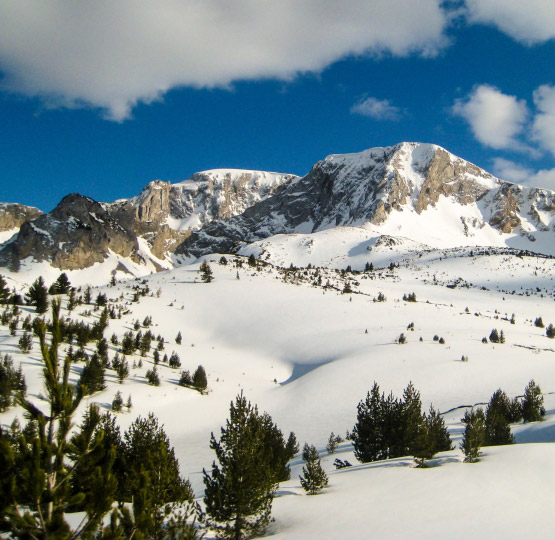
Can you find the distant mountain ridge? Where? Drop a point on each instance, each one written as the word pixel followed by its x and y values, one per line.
pixel 418 191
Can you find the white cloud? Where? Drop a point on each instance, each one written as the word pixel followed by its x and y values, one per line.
pixel 376 108
pixel 529 21
pixel 543 129
pixel 514 172
pixel 113 55
pixel 496 119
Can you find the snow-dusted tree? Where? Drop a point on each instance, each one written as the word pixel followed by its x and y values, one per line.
pixel 314 478
pixel 532 404
pixel 240 490
pixel 474 435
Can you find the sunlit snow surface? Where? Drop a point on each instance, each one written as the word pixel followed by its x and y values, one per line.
pixel 302 354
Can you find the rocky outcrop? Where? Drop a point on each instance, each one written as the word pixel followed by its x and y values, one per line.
pixel 75 235
pixel 13 215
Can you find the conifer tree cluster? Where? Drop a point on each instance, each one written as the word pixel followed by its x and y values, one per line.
pixel 50 469
pixel 388 427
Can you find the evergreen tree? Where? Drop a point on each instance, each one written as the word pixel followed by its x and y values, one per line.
pixel 25 342
pixel 12 383
pixel 474 435
pixel 152 376
pixel 239 491
pixel 117 402
pixel 411 419
pixel 200 382
pixel 92 376
pixel 275 448
pixel 4 290
pixel 367 434
pixel 314 478
pixel 422 446
pixel 532 404
pixel 38 295
pixel 174 361
pixel 438 431
pixel 178 338
pixel 36 490
pixel 87 296
pixel 494 336
pixel 292 446
pixel 252 260
pixel 310 452
pixel 550 331
pixel 498 430
pixel 152 481
pixel 205 272
pixel 61 285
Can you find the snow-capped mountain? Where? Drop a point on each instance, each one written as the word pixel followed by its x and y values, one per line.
pixel 145 229
pixel 419 191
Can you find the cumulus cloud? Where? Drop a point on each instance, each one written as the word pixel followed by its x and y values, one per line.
pixel 519 174
pixel 543 129
pixel 113 55
pixel 376 108
pixel 496 119
pixel 530 21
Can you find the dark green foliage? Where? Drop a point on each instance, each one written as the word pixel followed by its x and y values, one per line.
pixel 401 339
pixel 532 404
pixel 4 290
pixel 12 383
pixel 347 288
pixel 411 297
pixel 101 300
pixel 387 427
pixel 38 295
pixel 174 361
pixel 292 446
pixel 144 344
pixel 152 377
pixel 252 260
pixel 474 434
pixel 550 331
pixel 42 461
pixel 185 379
pixel 117 402
pixel 240 489
pixel 151 478
pixel 333 441
pixel 92 376
pixel 314 478
pixel 498 413
pixel 539 322
pixel 205 272
pixel 121 367
pixel 494 336
pixel 223 260
pixel 25 342
pixel 368 267
pixel 200 382
pixel 128 343
pixel 309 452
pixel 276 449
pixel 178 338
pixel 61 285
pixel 87 295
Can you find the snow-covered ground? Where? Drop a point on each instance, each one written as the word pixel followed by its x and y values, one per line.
pixel 302 353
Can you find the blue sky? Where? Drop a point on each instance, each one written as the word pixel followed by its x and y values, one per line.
pixel 101 98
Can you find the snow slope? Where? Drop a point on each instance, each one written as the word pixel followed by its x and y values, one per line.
pixel 301 352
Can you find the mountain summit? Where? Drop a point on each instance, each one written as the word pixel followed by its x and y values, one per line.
pixel 417 191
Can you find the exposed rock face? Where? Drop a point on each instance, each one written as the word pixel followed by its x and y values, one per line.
pixel 354 189
pixel 75 235
pixel 13 215
pixel 80 232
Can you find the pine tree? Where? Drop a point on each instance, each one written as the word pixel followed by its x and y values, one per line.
pixel 239 491
pixel 205 272
pixel 117 402
pixel 200 381
pixel 151 479
pixel 438 431
pixel 474 435
pixel 252 260
pixel 422 446
pixel 36 495
pixel 25 342
pixel 178 338
pixel 367 434
pixel 92 376
pixel 61 285
pixel 498 430
pixel 38 295
pixel 152 376
pixel 4 290
pixel 532 404
pixel 314 478
pixel 550 331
